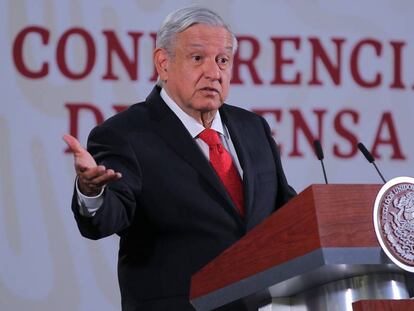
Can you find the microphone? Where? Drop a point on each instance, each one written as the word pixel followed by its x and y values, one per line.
pixel 319 155
pixel 370 158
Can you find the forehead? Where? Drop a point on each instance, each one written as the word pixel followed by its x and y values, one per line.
pixel 205 36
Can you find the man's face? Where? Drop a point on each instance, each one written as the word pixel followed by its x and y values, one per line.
pixel 198 72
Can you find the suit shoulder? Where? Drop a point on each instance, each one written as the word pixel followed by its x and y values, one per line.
pixel 241 113
pixel 135 115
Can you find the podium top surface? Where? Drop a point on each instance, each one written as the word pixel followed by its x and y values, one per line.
pixel 324 226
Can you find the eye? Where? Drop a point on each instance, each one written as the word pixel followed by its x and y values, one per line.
pixel 222 61
pixel 196 58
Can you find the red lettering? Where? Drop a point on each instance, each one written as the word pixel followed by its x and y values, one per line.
pixel 354 63
pixel 114 47
pixel 345 133
pixel 387 126
pixel 397 51
pixel 248 61
pixel 18 52
pixel 281 61
pixel 319 53
pixel 299 125
pixel 61 54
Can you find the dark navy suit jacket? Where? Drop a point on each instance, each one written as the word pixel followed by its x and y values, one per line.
pixel 170 209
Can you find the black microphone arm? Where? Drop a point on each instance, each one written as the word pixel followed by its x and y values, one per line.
pixel 319 155
pixel 370 158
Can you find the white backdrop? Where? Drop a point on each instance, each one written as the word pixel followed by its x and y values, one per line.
pixel 332 70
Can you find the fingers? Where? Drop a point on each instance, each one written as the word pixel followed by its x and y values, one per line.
pixel 93 179
pixel 83 160
pixel 99 176
pixel 73 144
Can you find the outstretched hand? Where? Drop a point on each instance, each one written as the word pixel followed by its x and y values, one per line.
pixel 91 177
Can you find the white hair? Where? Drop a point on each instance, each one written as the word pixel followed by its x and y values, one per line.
pixel 181 19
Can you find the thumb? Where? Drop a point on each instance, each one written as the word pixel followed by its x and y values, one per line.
pixel 83 159
pixel 73 143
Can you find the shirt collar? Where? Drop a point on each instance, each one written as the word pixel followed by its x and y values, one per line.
pixel 192 126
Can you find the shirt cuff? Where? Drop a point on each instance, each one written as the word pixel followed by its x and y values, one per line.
pixel 89 205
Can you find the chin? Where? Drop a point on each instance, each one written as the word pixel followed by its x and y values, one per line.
pixel 214 103
pixel 210 106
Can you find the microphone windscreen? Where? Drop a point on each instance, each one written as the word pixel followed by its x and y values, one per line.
pixel 318 149
pixel 366 153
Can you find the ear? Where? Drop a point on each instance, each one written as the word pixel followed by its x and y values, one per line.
pixel 161 62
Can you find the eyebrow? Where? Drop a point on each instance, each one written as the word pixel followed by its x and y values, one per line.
pixel 196 45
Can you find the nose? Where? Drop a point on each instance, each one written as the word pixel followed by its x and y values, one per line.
pixel 211 70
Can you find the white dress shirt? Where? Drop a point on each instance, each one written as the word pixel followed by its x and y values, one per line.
pixel 89 205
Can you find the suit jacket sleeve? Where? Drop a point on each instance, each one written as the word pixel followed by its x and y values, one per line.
pixel 112 150
pixel 286 191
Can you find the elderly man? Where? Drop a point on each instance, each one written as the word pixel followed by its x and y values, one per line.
pixel 181 176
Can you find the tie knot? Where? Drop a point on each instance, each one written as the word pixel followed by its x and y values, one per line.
pixel 210 137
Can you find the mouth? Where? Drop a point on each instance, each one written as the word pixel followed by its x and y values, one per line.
pixel 210 90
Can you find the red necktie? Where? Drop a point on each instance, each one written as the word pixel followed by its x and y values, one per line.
pixel 223 164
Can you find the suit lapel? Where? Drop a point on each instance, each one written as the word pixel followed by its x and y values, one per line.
pixel 174 133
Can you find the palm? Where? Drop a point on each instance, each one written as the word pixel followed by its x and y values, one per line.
pixel 91 177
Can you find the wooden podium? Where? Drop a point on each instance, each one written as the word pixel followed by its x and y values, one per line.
pixel 317 251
